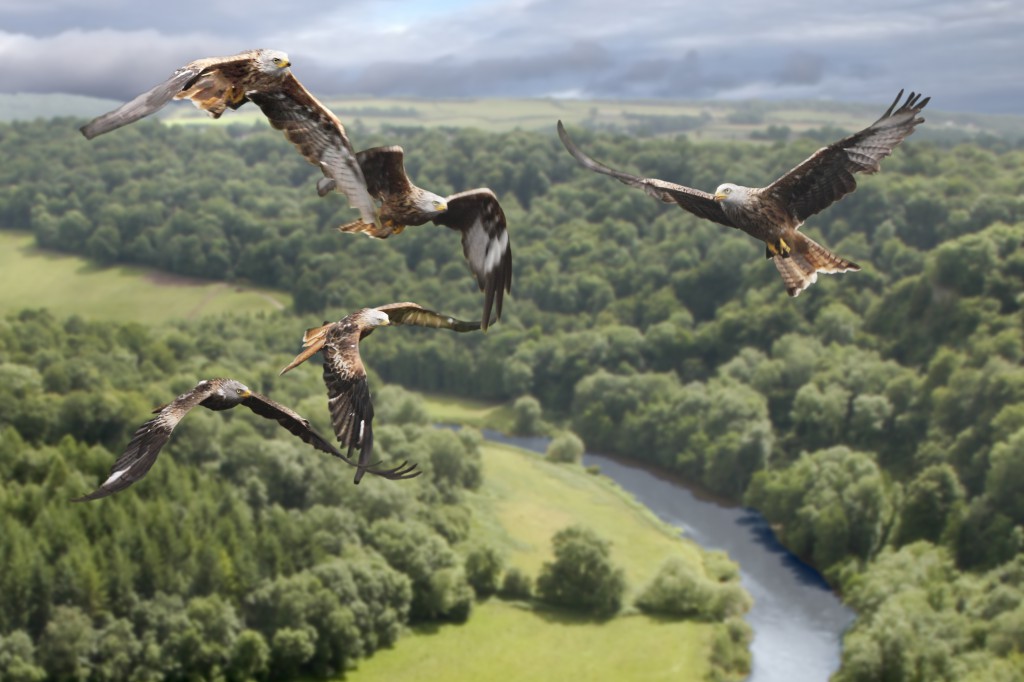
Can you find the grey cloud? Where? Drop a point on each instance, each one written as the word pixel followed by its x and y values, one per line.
pixel 969 59
pixel 487 76
pixel 802 68
pixel 102 63
pixel 227 18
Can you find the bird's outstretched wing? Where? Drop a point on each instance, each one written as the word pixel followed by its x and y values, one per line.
pixel 827 175
pixel 477 214
pixel 414 314
pixel 320 137
pixel 220 76
pixel 147 441
pixel 384 170
pixel 299 426
pixel 697 202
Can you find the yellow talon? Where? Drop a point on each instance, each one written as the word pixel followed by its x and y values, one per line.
pixel 772 248
pixel 784 247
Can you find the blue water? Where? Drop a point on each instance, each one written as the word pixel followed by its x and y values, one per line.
pixel 797 621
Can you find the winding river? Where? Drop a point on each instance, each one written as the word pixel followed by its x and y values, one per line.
pixel 797 620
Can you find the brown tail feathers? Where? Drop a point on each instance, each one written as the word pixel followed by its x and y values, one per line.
pixel 806 259
pixel 312 342
pixel 371 230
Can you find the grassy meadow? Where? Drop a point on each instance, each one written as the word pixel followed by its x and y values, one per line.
pixel 505 643
pixel 499 115
pixel 72 285
pixel 524 500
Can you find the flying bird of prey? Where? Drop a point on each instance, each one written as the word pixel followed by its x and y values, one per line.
pixel 344 375
pixel 214 394
pixel 476 214
pixel 775 213
pixel 263 77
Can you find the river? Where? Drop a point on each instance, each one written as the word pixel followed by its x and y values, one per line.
pixel 798 622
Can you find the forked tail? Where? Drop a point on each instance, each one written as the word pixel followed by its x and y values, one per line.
pixel 312 342
pixel 806 259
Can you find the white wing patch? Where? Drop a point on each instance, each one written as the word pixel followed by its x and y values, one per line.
pixel 476 244
pixel 115 476
pixel 496 248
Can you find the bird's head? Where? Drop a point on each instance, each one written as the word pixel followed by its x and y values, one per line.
pixel 233 390
pixel 726 192
pixel 431 204
pixel 273 61
pixel 376 318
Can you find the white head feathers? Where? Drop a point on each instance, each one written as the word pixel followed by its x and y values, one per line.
pixel 272 61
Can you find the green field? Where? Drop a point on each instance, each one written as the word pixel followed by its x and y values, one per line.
pixel 443 409
pixel 503 643
pixel 701 120
pixel 708 120
pixel 523 502
pixel 498 115
pixel 526 499
pixel 68 285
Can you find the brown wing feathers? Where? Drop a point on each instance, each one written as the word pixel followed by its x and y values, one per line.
pixel 147 441
pixel 828 174
pixel 320 138
pixel 701 204
pixel 408 313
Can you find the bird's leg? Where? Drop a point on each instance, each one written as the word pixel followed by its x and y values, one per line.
pixel 777 248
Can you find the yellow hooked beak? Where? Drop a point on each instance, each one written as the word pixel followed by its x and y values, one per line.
pixel 246 393
pixel 284 64
pixel 440 206
pixel 720 196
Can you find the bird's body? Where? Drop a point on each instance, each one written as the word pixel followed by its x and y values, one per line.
pixel 775 213
pixel 264 77
pixel 218 395
pixel 348 391
pixel 475 214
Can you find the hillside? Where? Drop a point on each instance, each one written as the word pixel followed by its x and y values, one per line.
pixel 701 120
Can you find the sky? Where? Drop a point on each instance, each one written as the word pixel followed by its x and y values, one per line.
pixel 967 54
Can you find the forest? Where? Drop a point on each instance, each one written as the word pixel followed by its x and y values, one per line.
pixel 877 420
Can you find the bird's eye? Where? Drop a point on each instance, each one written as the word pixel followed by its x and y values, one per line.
pixel 238 391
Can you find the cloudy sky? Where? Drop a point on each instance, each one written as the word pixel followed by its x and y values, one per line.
pixel 967 54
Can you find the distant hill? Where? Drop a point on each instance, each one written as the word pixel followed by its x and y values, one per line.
pixel 28 106
pixel 741 120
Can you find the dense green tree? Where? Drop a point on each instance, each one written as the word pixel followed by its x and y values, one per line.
pixel 527 416
pixel 516 585
pixel 566 447
pixel 933 503
pixel 678 590
pixel 582 576
pixel 17 658
pixel 483 567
